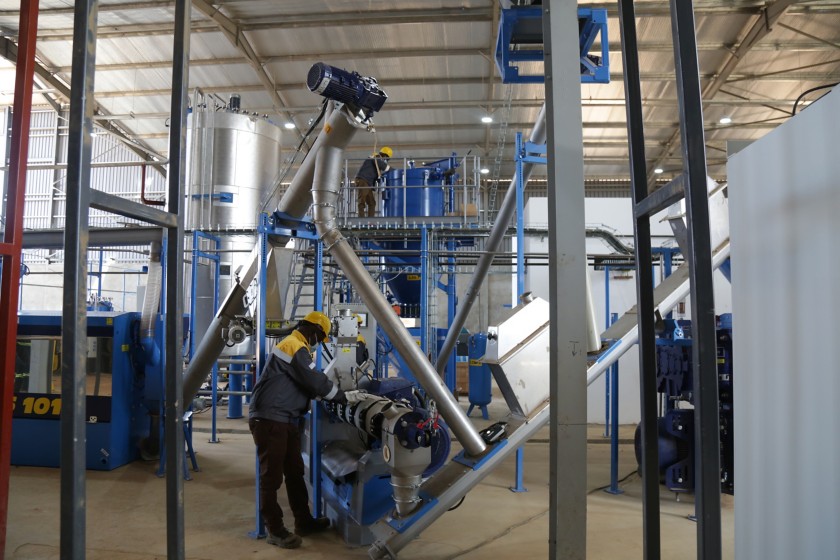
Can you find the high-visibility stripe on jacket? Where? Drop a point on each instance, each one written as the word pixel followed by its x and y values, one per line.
pixel 288 382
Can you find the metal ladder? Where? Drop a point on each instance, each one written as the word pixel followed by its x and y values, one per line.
pixel 303 278
pixel 500 150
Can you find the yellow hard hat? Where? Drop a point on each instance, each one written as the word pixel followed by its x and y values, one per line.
pixel 386 151
pixel 318 318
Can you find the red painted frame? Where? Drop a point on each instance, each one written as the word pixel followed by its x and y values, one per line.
pixel 10 248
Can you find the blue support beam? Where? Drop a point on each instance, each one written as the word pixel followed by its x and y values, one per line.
pixel 520 39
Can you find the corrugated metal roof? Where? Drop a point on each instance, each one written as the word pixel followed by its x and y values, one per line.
pixel 439 53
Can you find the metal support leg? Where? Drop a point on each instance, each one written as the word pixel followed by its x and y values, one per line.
pixel 10 249
pixel 74 318
pixel 174 303
pixel 704 351
pixel 314 436
pixel 567 275
pixel 644 283
pixel 262 355
pixel 614 489
pixel 520 278
pixel 607 378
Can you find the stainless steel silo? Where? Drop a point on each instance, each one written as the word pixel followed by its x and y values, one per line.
pixel 234 163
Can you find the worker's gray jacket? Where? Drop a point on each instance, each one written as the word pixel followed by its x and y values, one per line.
pixel 288 382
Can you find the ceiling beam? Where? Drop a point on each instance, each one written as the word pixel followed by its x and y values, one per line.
pixel 778 46
pixel 798 77
pixel 8 50
pixel 752 34
pixel 237 38
pixel 290 21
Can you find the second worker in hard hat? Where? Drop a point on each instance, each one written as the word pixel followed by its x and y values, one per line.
pixel 279 402
pixel 366 177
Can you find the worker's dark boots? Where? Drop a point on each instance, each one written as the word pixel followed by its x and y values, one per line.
pixel 312 525
pixel 283 539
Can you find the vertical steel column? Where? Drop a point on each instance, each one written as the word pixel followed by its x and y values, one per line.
pixel 424 290
pixel 74 317
pixel 518 485
pixel 614 489
pixel 644 283
pixel 174 371
pixel 10 249
pixel 262 352
pixel 451 298
pixel 606 326
pixel 704 351
pixel 314 418
pixel 567 275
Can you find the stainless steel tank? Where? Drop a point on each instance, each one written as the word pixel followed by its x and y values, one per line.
pixel 234 160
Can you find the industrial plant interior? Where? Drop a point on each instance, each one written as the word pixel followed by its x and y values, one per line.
pixel 562 271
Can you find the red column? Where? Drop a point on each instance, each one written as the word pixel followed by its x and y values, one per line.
pixel 10 248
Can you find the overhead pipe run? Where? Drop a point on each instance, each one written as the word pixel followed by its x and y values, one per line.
pixel 494 241
pixel 326 179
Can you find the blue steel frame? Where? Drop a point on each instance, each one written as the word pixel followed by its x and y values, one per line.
pixel 612 380
pixel 424 289
pixel 532 153
pixel 266 229
pixel 197 253
pixel 595 24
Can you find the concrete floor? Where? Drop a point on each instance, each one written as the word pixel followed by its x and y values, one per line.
pixel 126 512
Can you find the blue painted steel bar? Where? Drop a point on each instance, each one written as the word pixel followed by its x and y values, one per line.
pixel 644 283
pixel 614 489
pixel 520 221
pixel 10 248
pixel 235 384
pixel 520 278
pixel 174 303
pixel 314 435
pixel 607 379
pixel 424 291
pixel 451 298
pixel 703 327
pixel 262 351
pixel 197 254
pixel 74 318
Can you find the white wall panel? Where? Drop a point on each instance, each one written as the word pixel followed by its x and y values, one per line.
pixel 784 194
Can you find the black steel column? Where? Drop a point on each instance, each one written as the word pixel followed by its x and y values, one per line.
pixel 74 315
pixel 174 439
pixel 706 415
pixel 644 282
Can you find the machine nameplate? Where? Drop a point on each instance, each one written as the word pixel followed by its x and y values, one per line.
pixel 44 406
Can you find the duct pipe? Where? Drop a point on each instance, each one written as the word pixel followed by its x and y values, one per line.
pixel 151 304
pixel 494 241
pixel 296 200
pixel 326 180
pixel 213 343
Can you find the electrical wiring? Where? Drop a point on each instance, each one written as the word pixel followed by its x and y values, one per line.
pixel 807 91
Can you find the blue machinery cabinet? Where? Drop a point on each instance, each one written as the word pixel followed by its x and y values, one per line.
pixel 116 417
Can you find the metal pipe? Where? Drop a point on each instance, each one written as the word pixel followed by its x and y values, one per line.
pixel 326 176
pixel 213 343
pixel 295 201
pixel 538 135
pixel 630 339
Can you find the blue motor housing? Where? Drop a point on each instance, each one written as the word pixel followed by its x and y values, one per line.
pixel 347 87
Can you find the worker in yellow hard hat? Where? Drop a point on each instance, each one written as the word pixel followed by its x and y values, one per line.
pixel 368 174
pixel 278 404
